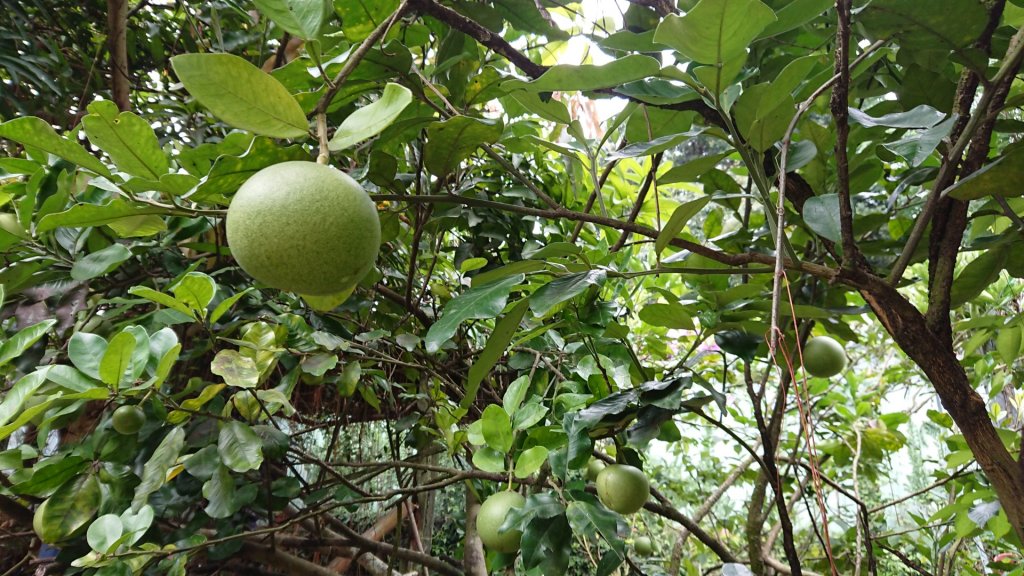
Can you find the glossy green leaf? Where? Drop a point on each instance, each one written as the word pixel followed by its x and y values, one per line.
pixel 318 364
pixel 489 460
pixel 15 397
pixel 84 215
pixel 100 262
pixel 453 140
pixel 565 77
pixel 497 343
pixel 370 120
pixel 104 533
pixel 516 393
pixel 117 359
pixel 161 298
pixel 236 370
pixel 680 217
pixel 530 461
pixel 35 132
pixel 998 178
pixel 916 148
pixel 565 288
pixel 135 524
pixel 497 428
pixel 549 109
pixel 671 315
pixel 795 14
pixel 127 138
pixel 300 18
pixel 85 351
pixel 23 340
pixel 226 304
pixel 219 491
pixel 240 448
pixel 821 213
pixel 70 508
pixel 1008 343
pixel 920 117
pixel 587 516
pixel 715 31
pixel 195 290
pixel 154 472
pixel 977 276
pixel 241 94
pixel 486 301
pixel 230 171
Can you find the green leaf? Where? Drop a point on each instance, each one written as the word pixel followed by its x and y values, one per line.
pixel 998 178
pixel 195 290
pixel 25 338
pixel 85 351
pixel 349 379
pixel 763 113
pixel 453 140
pixel 588 517
pixel 104 533
pixel 489 460
pixel 100 262
pixel 219 490
pixel 135 524
pixel 515 394
pixel 240 448
pixel 127 138
pixel 85 215
pixel 497 342
pixel 565 77
pixel 70 508
pixel 318 364
pixel 916 148
pixel 654 146
pixel 551 109
pixel 795 14
pixel 690 171
pixel 230 171
pixel 14 398
pixel 564 288
pixel 1008 344
pixel 715 31
pixel 161 298
pixel 530 461
pixel 821 213
pixel 680 217
pixel 117 360
pixel 529 414
pixel 478 302
pixel 226 305
pixel 370 120
pixel 154 472
pixel 241 95
pixel 671 315
pixel 35 132
pixel 922 116
pixel 976 276
pixel 236 370
pixel 497 428
pixel 300 18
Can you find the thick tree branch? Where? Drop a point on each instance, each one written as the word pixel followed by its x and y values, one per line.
pixel 117 38
pixel 649 182
pixel 840 113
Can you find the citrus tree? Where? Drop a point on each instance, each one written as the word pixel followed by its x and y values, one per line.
pixel 517 286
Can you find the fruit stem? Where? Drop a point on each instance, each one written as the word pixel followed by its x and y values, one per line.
pixel 321 132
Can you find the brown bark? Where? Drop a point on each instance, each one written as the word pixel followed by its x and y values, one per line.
pixel 938 360
pixel 117 28
pixel 473 558
pixel 384 525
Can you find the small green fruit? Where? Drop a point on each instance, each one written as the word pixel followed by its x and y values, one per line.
pixel 623 488
pixel 304 227
pixel 490 518
pixel 594 468
pixel 824 357
pixel 128 420
pixel 643 546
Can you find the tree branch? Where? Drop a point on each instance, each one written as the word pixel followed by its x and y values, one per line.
pixel 117 37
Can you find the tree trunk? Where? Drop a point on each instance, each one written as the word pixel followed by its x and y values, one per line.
pixel 117 28
pixel 473 557
pixel 939 362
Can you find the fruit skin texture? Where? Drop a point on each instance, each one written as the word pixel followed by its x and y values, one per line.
pixel 623 488
pixel 304 227
pixel 643 546
pixel 824 357
pixel 492 515
pixel 128 419
pixel 594 468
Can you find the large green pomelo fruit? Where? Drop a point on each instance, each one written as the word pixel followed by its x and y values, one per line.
pixel 623 488
pixel 304 227
pixel 490 518
pixel 824 357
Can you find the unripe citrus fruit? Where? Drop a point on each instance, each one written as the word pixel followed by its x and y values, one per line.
pixel 128 419
pixel 594 468
pixel 490 518
pixel 304 227
pixel 824 357
pixel 623 488
pixel 643 546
